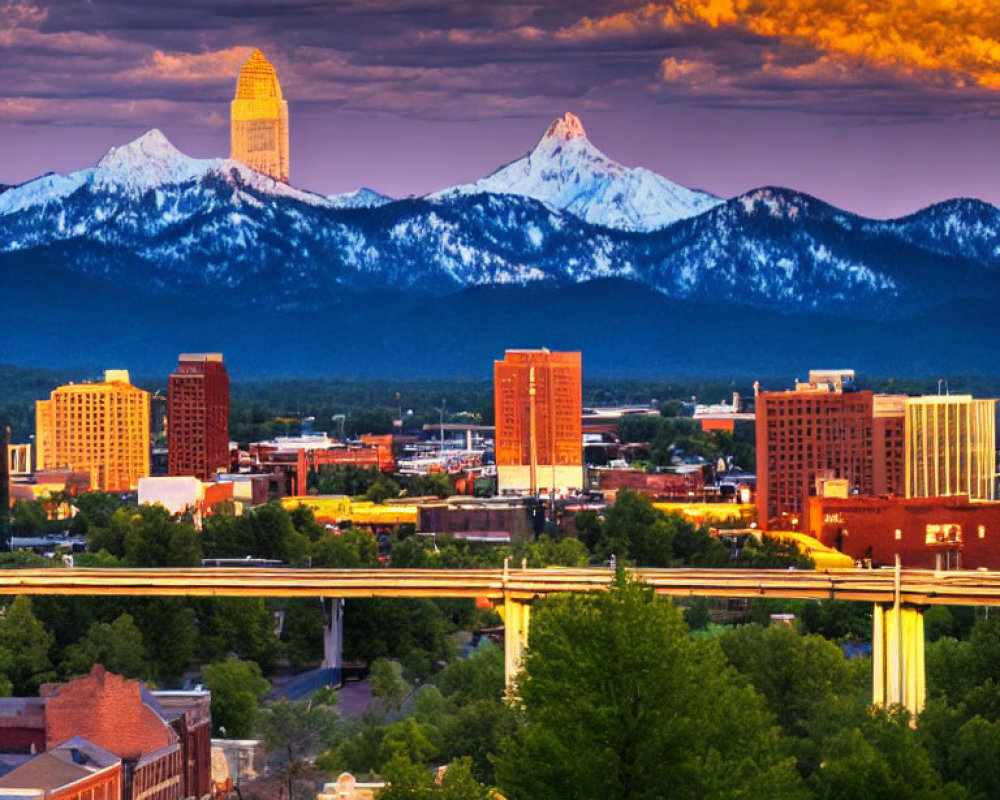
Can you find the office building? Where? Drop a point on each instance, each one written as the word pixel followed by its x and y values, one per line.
pixel 951 447
pixel 259 119
pixel 100 428
pixel 888 451
pixel 538 401
pixel 820 431
pixel 198 417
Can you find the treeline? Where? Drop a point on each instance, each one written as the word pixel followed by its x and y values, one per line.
pixel 264 409
pixel 619 699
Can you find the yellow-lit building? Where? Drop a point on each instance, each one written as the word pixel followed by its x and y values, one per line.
pixel 102 428
pixel 950 447
pixel 259 119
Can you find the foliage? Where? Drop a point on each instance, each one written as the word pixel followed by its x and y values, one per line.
pixel 117 645
pixel 616 677
pixel 238 626
pixel 237 688
pixel 23 559
pixel 387 683
pixel 24 648
pixel 636 532
pixel 28 518
pixel 293 732
pixel 96 508
pixel 153 538
pixel 414 782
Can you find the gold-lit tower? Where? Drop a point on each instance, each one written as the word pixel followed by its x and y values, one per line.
pixel 102 428
pixel 259 119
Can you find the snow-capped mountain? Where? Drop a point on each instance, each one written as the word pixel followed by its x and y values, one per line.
pixel 359 198
pixel 153 220
pixel 567 172
pixel 141 166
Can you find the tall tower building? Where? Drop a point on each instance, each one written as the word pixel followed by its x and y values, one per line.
pixel 198 416
pixel 538 401
pixel 821 430
pixel 951 447
pixel 259 119
pixel 102 428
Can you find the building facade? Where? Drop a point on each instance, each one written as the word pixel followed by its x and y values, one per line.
pixel 100 428
pixel 538 401
pixel 888 450
pixel 198 417
pixel 927 533
pixel 820 430
pixel 259 119
pixel 951 447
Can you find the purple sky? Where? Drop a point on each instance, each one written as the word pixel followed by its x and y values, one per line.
pixel 878 106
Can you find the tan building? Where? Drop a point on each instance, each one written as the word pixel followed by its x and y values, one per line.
pixel 102 428
pixel 951 447
pixel 259 119
pixel 538 401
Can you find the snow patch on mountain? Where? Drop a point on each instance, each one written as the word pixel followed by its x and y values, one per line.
pixel 567 172
pixel 359 198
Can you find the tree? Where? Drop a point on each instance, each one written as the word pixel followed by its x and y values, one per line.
pixel 28 518
pixel 237 688
pixel 97 507
pixel 409 781
pixel 386 679
pixel 117 645
pixel 293 733
pixel 620 702
pixel 27 643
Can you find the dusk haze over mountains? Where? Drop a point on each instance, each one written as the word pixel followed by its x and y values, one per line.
pixel 658 166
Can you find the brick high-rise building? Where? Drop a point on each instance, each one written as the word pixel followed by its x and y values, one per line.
pixel 538 402
pixel 259 119
pixel 101 428
pixel 888 467
pixel 951 447
pixel 822 429
pixel 198 416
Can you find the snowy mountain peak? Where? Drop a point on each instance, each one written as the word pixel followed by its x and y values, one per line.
pixel 564 128
pixel 150 161
pixel 566 171
pixel 151 146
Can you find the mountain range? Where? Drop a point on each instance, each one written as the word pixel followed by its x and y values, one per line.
pixel 152 247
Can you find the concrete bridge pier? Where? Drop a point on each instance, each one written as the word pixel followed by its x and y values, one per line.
pixel 898 674
pixel 333 639
pixel 516 616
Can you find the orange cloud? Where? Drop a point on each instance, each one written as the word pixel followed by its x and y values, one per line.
pixel 194 67
pixel 958 36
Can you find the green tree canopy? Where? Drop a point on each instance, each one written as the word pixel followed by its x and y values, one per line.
pixel 620 702
pixel 237 688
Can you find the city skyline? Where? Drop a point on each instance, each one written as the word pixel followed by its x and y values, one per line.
pixel 881 112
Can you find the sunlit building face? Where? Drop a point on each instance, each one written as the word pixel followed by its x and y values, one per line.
pixel 259 119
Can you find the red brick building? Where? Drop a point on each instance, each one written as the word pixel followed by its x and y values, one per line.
pixel 120 716
pixel 889 444
pixel 822 429
pixel 928 533
pixel 198 416
pixel 190 715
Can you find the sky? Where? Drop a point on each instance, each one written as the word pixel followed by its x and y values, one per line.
pixel 878 106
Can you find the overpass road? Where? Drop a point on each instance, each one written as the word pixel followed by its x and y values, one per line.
pixel 899 598
pixel 916 587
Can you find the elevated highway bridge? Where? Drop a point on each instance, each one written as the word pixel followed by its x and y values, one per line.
pixel 899 598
